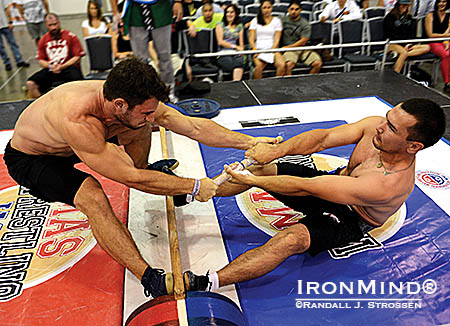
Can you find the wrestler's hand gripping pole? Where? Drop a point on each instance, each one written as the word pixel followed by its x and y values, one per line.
pixel 224 177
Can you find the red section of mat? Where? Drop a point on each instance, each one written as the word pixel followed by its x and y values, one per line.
pixel 159 311
pixel 88 293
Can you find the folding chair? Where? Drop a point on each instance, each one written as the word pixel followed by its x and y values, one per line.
pixel 373 12
pixel 306 14
pixel 100 56
pixel 351 31
pixel 424 58
pixel 306 5
pixel 322 33
pixel 375 33
pixel 280 8
pixel 203 42
pixel 252 8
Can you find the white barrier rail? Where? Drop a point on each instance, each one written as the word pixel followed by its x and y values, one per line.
pixel 325 46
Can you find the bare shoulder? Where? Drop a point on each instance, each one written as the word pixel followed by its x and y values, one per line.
pixel 79 96
pixel 80 126
pixel 368 123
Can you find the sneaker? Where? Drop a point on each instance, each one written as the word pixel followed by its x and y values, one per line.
pixel 170 163
pixel 8 67
pixel 178 200
pixel 156 283
pixel 194 282
pixel 447 88
pixel 23 64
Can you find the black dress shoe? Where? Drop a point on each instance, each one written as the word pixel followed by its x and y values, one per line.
pixel 23 64
pixel 447 88
pixel 8 67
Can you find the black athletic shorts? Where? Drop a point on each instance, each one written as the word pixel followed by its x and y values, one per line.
pixel 44 78
pixel 330 225
pixel 48 177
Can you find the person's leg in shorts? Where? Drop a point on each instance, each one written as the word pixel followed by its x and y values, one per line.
pixel 53 178
pixel 311 59
pixel 40 83
pixel 70 74
pixel 291 59
pixel 34 31
pixel 238 67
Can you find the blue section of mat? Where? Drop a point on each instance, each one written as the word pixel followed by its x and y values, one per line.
pixel 419 251
pixel 209 308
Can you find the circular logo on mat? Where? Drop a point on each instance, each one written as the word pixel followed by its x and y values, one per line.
pixel 271 216
pixel 38 240
pixel 433 179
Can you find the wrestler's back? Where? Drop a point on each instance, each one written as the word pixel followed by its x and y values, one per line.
pixel 40 128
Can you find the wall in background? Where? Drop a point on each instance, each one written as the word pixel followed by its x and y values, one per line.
pixel 70 7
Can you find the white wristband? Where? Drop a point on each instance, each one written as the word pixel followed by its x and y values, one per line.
pixel 195 191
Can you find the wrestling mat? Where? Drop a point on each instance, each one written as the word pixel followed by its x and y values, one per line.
pixel 52 272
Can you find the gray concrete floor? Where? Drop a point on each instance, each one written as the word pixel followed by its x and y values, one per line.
pixel 12 82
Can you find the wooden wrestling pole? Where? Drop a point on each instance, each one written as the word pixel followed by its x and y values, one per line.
pixel 175 259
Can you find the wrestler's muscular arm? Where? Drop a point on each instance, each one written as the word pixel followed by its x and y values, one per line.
pixel 86 138
pixel 314 141
pixel 205 131
pixel 367 190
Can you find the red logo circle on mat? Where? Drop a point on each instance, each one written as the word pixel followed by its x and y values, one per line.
pixel 271 216
pixel 38 240
pixel 433 179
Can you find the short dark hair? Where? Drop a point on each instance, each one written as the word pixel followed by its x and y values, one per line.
pixel 294 2
pixel 431 121
pixel 135 82
pixel 236 20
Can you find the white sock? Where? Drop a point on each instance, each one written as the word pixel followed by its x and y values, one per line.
pixel 214 280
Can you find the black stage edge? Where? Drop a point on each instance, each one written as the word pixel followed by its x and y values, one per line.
pixel 389 86
pixel 10 111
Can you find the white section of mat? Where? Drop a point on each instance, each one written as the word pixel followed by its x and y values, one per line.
pixel 200 240
pixel 182 313
pixel 350 110
pixel 435 159
pixel 5 136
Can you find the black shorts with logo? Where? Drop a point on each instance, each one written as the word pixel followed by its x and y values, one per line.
pixel 330 225
pixel 48 177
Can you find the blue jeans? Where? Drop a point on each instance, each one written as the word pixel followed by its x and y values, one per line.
pixel 12 44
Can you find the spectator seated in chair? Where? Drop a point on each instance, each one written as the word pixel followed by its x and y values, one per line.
pixel 59 55
pixel 121 45
pixel 297 32
pixel 230 37
pixel 208 20
pixel 437 24
pixel 399 25
pixel 265 33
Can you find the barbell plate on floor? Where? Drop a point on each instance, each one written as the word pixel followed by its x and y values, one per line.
pixel 198 107
pixel 209 308
pixel 159 311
